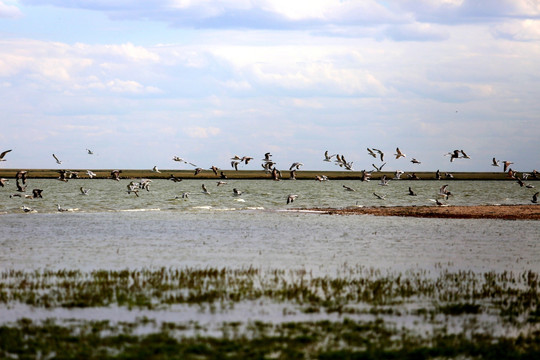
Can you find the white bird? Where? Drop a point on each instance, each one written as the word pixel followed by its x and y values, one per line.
pixel 378 168
pixel 237 192
pixel 397 174
pixel 443 191
pixel 399 154
pixel 84 191
pixel 155 169
pixel 328 157
pixel 506 164
pixel 57 160
pixel 495 162
pixel 291 198
pixel 384 181
pixel 296 165
pixel 179 159
pixel 371 152
pixel 90 174
pixel 27 209
pixel 204 189
pixel 219 183
pixel 380 197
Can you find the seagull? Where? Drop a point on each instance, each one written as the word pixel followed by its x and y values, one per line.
pixel 3 182
pixel 90 152
pixel 221 183
pixel 57 161
pixel 27 209
pixel 371 152
pixel 237 192
pixel 453 155
pixel 443 191
pixel 399 154
pixel 366 176
pixel 22 174
pixel 84 191
pixel 321 178
pixel 291 198
pixel 397 174
pixel 384 181
pixel 64 175
pixel 378 168
pixel 222 175
pixel 20 188
pixel 197 171
pixel 234 164
pixel 61 209
pixel 436 201
pixel 495 162
pixel 380 197
pixel 380 153
pixel 179 159
pixel 448 175
pixel 328 157
pixel 292 175
pixel 205 190
pixel 411 192
pixel 3 154
pixel 437 175
pixel 348 188
pixel 174 178
pixel 214 169
pixel 246 159
pixel 296 165
pixel 506 164
pixel 267 157
pixel 276 174
pixel 133 188
pixel 535 198
pixel 36 193
pixel 90 174
pixel 116 174
pixel 414 161
pixel 155 169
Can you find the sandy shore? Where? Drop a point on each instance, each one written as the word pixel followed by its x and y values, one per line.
pixel 508 212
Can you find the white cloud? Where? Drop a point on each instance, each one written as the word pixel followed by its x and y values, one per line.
pixel 9 11
pixel 129 86
pixel 524 30
pixel 202 132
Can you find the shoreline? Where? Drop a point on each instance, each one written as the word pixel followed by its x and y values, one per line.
pixel 505 212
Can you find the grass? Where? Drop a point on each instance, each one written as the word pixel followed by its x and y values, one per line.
pixel 250 174
pixel 368 303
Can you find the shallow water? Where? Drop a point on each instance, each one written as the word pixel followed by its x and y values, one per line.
pixel 112 229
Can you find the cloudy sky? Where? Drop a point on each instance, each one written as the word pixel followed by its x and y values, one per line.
pixel 139 82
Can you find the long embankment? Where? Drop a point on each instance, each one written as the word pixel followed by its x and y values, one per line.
pixel 250 174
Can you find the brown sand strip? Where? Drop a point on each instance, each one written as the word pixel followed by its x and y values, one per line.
pixel 508 212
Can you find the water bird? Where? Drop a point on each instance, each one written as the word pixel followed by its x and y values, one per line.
pixel 237 192
pixel 384 181
pixel 197 171
pixel 506 164
pixel 321 178
pixel 20 188
pixel 267 157
pixel 292 175
pixel 3 182
pixel 439 203
pixel 414 161
pixel 380 197
pixel 381 154
pixel 116 174
pixel 63 175
pixel 36 193
pixel 90 152
pixel 205 190
pixel 219 183
pixel 411 192
pixel 214 169
pixel 90 174
pixel 276 174
pixel 291 198
pixel 155 169
pixel 328 157
pixel 133 187
pixel 438 175
pixel 84 191
pixel 371 152
pixel 448 175
pixel 27 209
pixel 463 155
pixel 57 160
pixel 179 159
pixel 443 191
pixel 61 209
pixel 234 164
pixel 347 188
pixel 174 178
pixel 222 175
pixel 397 174
pixel 296 165
pixel 495 162
pixel 453 155
pixel 378 168
pixel 535 198
pixel 399 154
pixel 366 175
pixel 3 154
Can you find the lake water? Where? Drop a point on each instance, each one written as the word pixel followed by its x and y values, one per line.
pixel 111 229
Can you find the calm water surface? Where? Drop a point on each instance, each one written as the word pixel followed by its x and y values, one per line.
pixel 112 229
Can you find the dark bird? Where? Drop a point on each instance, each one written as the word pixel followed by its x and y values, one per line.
pixel 292 175
pixel 378 168
pixel 453 155
pixel 222 175
pixel 204 189
pixel 197 171
pixel 535 198
pixel 380 197
pixel 506 164
pixel 214 169
pixel 20 188
pixel 464 156
pixel 3 154
pixel 348 188
pixel 411 192
pixel 495 162
pixel 236 192
pixel 234 164
pixel 381 154
pixel 174 178
pixel 36 193
pixel 3 182
pixel 414 161
pixel 22 175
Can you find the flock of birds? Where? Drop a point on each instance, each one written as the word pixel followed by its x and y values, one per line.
pixel 269 167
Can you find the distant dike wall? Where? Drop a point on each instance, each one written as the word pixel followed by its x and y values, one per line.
pixel 255 174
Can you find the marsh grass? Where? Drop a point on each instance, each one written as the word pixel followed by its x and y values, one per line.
pixel 511 296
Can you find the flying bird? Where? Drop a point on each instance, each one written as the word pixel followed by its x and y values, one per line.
pixel 328 157
pixel 174 178
pixel 90 152
pixel 204 189
pixel 495 162
pixel 348 188
pixel 57 160
pixel 116 174
pixel 3 154
pixel 414 161
pixel 506 164
pixel 535 198
pixel 155 169
pixel 237 192
pixel 291 198
pixel 411 192
pixel 378 168
pixel 36 193
pixel 380 197
pixel 371 152
pixel 296 165
pixel 3 182
pixel 90 174
pixel 399 154
pixel 84 191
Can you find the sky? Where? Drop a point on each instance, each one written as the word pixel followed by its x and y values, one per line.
pixel 139 82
